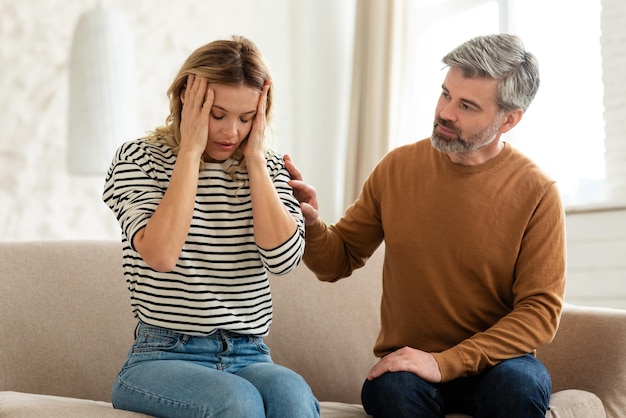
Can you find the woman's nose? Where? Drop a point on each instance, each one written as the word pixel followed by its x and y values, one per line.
pixel 230 128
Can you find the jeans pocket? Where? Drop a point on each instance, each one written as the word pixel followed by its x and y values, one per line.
pixel 151 339
pixel 260 345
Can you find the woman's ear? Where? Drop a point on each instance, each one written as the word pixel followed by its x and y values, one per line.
pixel 182 93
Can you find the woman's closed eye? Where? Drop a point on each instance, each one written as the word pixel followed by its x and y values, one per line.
pixel 245 119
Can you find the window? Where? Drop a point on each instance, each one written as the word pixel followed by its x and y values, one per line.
pixel 563 129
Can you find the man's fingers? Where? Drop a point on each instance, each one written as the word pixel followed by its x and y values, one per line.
pixel 291 167
pixel 299 185
pixel 309 212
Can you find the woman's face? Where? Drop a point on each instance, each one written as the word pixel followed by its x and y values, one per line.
pixel 230 120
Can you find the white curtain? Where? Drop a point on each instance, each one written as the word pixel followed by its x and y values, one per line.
pixel 375 86
pixel 321 37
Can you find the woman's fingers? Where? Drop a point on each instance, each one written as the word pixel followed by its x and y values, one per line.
pixel 197 101
pixel 254 144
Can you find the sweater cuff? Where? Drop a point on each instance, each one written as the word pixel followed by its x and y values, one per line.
pixel 451 364
pixel 315 231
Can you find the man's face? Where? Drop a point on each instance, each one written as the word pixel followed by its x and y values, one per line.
pixel 467 116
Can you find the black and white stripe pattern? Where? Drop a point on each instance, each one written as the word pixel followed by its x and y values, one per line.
pixel 220 280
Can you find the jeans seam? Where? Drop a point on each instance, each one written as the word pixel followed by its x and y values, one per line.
pixel 156 397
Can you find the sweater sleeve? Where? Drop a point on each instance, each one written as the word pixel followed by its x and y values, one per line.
pixel 334 252
pixel 130 191
pixel 287 256
pixel 538 296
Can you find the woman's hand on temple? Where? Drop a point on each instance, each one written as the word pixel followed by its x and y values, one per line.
pixel 253 145
pixel 194 125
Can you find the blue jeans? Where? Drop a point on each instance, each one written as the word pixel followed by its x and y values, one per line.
pixel 515 388
pixel 224 375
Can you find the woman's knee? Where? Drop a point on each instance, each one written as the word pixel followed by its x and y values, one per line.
pixel 284 392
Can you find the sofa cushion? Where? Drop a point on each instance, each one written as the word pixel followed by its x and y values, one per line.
pixel 341 410
pixel 27 405
pixel 573 403
pixel 564 404
pixel 326 330
pixel 588 354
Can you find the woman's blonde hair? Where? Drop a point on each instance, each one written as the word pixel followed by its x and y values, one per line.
pixel 233 62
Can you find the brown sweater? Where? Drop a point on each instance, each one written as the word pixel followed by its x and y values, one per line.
pixel 474 268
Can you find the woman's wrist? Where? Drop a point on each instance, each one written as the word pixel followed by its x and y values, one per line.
pixel 189 154
pixel 257 158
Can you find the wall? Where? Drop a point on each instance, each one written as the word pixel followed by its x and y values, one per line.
pixel 40 200
pixel 613 41
pixel 596 256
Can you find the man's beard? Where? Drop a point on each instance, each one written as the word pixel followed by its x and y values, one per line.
pixel 461 145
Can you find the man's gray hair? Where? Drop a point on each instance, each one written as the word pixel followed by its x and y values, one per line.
pixel 503 58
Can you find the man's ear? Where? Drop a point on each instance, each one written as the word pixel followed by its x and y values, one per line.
pixel 511 118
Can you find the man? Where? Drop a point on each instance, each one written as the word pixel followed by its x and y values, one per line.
pixel 474 270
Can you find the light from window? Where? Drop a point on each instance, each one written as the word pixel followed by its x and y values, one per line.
pixel 563 130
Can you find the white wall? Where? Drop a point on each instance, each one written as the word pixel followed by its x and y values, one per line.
pixel 596 256
pixel 613 44
pixel 40 200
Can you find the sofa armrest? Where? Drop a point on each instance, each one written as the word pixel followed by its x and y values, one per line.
pixel 587 353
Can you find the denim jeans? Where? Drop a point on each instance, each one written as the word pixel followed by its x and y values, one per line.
pixel 223 375
pixel 516 388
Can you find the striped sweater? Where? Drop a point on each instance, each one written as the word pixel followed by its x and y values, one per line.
pixel 220 280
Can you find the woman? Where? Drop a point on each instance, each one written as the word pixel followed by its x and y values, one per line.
pixel 206 212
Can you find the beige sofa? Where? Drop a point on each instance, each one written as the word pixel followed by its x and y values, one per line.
pixel 66 325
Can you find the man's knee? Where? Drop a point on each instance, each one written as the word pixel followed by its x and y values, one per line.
pixel 400 394
pixel 524 374
pixel 520 384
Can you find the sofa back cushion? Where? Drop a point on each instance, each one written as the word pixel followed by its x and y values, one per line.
pixel 67 324
pixel 326 331
pixel 66 320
